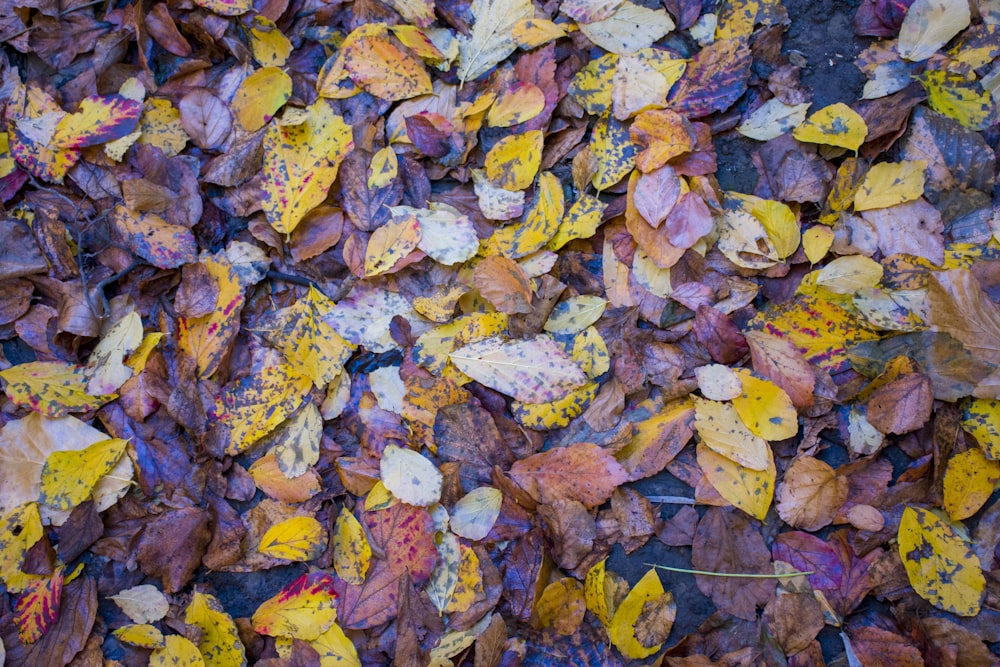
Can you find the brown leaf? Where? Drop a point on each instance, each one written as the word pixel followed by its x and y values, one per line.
pixel 205 118
pixel 726 541
pixel 467 434
pixel 582 472
pixel 172 545
pixel 654 194
pixel 719 335
pixel 503 283
pixel 490 644
pixel 810 494
pixel 958 306
pixel 571 531
pixel 875 646
pixel 778 360
pixel 903 405
pixel 795 619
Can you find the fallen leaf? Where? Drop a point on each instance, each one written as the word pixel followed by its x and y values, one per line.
pixel 811 494
pixel 582 472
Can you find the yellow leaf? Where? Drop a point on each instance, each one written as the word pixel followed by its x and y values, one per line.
pixel 595 595
pixel 532 33
pixel 260 96
pixel 469 585
pixel 218 639
pixel 772 119
pixel 561 606
pixel 270 47
pixel 580 222
pixel 531 371
pixel 647 595
pixel 310 344
pixel 557 413
pixel 591 352
pixel 352 554
pixel 591 87
pixel 960 97
pixel 663 134
pixel 300 538
pixel 138 358
pixel 744 241
pixel 718 382
pixel 226 7
pixel 929 25
pixel 765 408
pixel 176 651
pixel 161 127
pixel 517 104
pixel 721 429
pixel 383 168
pixel 106 367
pixel 492 37
pixel 750 490
pixel 51 388
pixel 614 151
pixel 631 28
pixel 379 498
pixel 257 404
pixel 816 242
pixel 889 183
pixel 513 161
pixel 410 477
pixel 444 577
pixel 834 125
pixel 36 610
pixel 637 87
pixel 390 243
pixel 496 203
pixel 940 563
pixel 982 419
pixel 381 68
pixel 68 478
pixel 737 19
pixel 141 635
pixel 304 609
pixel 445 234
pixel 850 274
pixel 575 314
pixel 969 481
pixel 777 219
pixel 300 164
pixel 20 529
pixel 432 348
pixel 335 649
pixel 142 604
pixel 475 513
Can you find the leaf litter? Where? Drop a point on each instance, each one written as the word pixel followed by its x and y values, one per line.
pixel 416 332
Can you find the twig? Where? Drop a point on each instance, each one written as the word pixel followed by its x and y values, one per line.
pixel 742 575
pixel 672 500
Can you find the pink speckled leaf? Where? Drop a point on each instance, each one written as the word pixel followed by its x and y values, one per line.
pixel 152 238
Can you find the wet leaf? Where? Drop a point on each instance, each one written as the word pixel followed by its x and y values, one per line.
pixel 834 125
pixel 969 480
pixel 69 477
pixel 929 25
pixel 143 604
pixel 410 477
pixel 940 563
pixel 513 162
pixel 304 609
pixel 219 641
pixel 257 404
pixel 890 183
pixel 52 388
pixel 582 472
pixel 297 539
pixel 492 35
pixel 811 494
pixel 748 489
pixel 351 552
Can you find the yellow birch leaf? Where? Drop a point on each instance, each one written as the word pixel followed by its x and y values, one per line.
pixel 594 593
pixel 469 585
pixel 444 577
pixel 982 419
pixel 304 609
pixel 532 371
pixel 850 274
pixel 226 7
pixel 51 388
pixel 532 33
pixel 176 651
pixel 889 183
pixel 637 87
pixel 418 40
pixel 561 606
pixel 269 46
pixel 929 25
pixel 383 168
pixel 816 242
pixel 557 413
pixel 218 638
pixel 142 635
pixel 142 604
pixel 255 405
pixel 969 481
pixel 300 538
pixel 765 408
pixel 335 649
pixel 138 358
pixel 631 28
pixel 68 478
pixel 519 103
pixel 748 489
pixel 162 244
pixel 36 610
pixel 432 348
pixel 410 477
pixel 352 554
pixel 513 161
pixel 381 68
pixel 613 150
pixel 772 119
pixel 940 562
pixel 496 203
pixel 310 344
pixel 663 135
pixel 744 241
pixel 160 126
pixel 300 164
pixel 260 96
pixel 721 429
pixel 645 597
pixel 575 314
pixel 592 86
pixel 718 382
pixel 390 243
pixel 834 125
pixel 20 529
pixel 780 224
pixel 960 97
pixel 737 19
pixel 580 222
pixel 492 37
pixel 379 498
pixel 591 352
pixel 475 513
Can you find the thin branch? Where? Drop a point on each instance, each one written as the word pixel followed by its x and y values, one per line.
pixel 742 575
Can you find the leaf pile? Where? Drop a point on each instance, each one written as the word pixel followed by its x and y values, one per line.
pixel 365 333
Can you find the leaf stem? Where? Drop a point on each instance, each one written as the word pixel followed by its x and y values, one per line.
pixel 705 573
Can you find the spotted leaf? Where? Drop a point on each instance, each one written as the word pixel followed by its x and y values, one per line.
pixel 69 477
